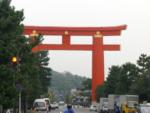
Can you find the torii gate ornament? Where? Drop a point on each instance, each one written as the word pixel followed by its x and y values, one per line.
pixel 97 47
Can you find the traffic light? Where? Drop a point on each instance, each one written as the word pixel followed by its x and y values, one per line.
pixel 14 60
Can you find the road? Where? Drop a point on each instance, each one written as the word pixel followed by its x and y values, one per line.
pixel 77 110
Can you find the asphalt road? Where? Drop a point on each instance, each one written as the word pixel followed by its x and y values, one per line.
pixel 77 110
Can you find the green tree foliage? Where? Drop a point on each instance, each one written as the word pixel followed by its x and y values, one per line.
pixel 100 92
pixel 31 70
pixel 142 85
pixel 10 28
pixel 119 80
pixel 44 72
pixel 128 75
pixel 62 83
pixel 112 79
pixel 143 63
pixel 128 79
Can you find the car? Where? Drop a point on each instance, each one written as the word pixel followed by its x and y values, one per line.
pixel 61 103
pixel 54 105
pixel 93 108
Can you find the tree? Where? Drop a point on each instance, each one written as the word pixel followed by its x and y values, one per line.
pixel 112 79
pixel 143 63
pixel 31 67
pixel 120 79
pixel 45 72
pixel 129 73
pixel 100 92
pixel 142 86
pixel 128 79
pixel 10 29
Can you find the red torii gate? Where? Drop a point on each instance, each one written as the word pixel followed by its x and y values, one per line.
pixel 97 47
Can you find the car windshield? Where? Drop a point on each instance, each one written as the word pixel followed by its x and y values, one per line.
pixel 39 104
pixel 93 106
pixel 132 104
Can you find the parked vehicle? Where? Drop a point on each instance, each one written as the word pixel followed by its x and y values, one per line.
pixel 61 103
pixel 103 105
pixel 129 103
pixel 93 108
pixel 54 105
pixel 112 100
pixel 126 103
pixel 40 105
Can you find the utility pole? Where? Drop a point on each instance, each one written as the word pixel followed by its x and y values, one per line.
pixel 19 88
pixel 20 101
pixel 15 61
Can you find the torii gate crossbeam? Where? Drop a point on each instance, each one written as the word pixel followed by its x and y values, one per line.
pixel 97 47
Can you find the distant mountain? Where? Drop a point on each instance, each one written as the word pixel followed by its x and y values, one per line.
pixel 62 83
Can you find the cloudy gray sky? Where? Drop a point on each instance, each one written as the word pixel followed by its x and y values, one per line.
pixel 134 40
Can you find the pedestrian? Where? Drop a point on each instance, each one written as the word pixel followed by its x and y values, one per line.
pixel 69 109
pixel 117 110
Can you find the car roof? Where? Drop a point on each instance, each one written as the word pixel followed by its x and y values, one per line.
pixel 39 100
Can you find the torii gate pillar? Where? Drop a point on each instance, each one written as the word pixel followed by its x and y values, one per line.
pixel 97 63
pixel 97 47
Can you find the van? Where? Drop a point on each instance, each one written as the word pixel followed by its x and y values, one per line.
pixel 40 105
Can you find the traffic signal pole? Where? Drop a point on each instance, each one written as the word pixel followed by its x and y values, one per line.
pixel 15 60
pixel 20 101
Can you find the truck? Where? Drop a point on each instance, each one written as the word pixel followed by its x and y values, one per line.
pixel 103 105
pixel 126 103
pixel 112 100
pixel 129 103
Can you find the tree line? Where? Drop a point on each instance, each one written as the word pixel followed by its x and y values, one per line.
pixel 62 83
pixel 30 74
pixel 129 78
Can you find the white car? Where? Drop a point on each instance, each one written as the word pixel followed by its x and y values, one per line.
pixel 54 105
pixel 61 103
pixel 93 108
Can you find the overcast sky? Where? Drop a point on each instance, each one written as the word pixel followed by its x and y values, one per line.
pixel 134 40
